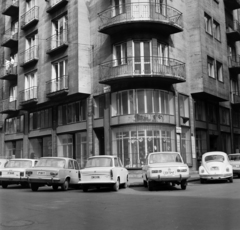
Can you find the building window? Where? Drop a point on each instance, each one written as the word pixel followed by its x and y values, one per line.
pixel 219 71
pixel 118 7
pixel 216 30
pixel 186 152
pixel 31 51
pixel 81 148
pixel 200 111
pixel 14 125
pixel 208 23
pixel 99 103
pixel 201 143
pixel 72 112
pixel 210 65
pixel 12 93
pixel 65 145
pixel 236 119
pixel 224 116
pixel 120 54
pixel 161 7
pixel 41 119
pixel 184 109
pixel 40 147
pixel 163 53
pixel 13 149
pixel 212 113
pixel 30 86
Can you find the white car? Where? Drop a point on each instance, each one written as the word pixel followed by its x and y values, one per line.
pixel 165 167
pixel 103 171
pixel 3 162
pixel 234 159
pixel 15 172
pixel 215 166
pixel 55 172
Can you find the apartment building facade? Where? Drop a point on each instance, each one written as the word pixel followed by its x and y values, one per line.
pixel 119 77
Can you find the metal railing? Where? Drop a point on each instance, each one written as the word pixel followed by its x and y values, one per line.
pixel 29 16
pixel 10 34
pixel 234 61
pixel 10 3
pixel 8 104
pixel 10 69
pixel 233 26
pixel 143 65
pixel 140 11
pixel 57 40
pixel 53 3
pixel 57 84
pixel 235 97
pixel 28 94
pixel 29 54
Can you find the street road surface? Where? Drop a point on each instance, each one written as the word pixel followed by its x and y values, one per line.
pixel 202 206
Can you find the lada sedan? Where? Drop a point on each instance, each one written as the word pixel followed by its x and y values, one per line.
pixel 55 172
pixel 215 166
pixel 234 160
pixel 165 167
pixel 103 171
pixel 15 172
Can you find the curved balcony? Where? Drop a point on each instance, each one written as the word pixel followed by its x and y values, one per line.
pixel 29 96
pixel 57 87
pixel 8 105
pixel 142 17
pixel 10 38
pixel 157 69
pixel 11 8
pixel 30 18
pixel 9 71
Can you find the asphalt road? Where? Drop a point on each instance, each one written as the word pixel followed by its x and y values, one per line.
pixel 202 206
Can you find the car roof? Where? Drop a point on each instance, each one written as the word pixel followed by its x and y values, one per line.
pixel 66 158
pixel 22 159
pixel 214 153
pixel 102 156
pixel 164 152
pixel 234 154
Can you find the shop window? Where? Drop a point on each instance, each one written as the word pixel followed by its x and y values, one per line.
pixel 14 125
pixel 200 111
pixel 236 119
pixel 99 103
pixel 13 149
pixel 186 152
pixel 201 143
pixel 208 23
pixel 226 142
pixel 40 119
pixel 81 148
pixel 210 66
pixel 224 116
pixel 184 109
pixel 212 113
pixel 65 145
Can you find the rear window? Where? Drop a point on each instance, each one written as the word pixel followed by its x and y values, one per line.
pixel 164 158
pixel 19 164
pixel 99 162
pixel 234 158
pixel 218 158
pixel 51 162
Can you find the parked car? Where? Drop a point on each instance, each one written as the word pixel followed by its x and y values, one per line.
pixel 234 160
pixel 104 171
pixel 215 166
pixel 55 172
pixel 3 162
pixel 162 167
pixel 14 172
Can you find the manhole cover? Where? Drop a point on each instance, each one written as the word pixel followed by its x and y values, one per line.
pixel 17 223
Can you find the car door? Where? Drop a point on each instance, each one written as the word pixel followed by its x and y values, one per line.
pixel 73 172
pixel 122 171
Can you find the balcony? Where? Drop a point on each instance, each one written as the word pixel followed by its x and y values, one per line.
pixel 234 64
pixel 55 5
pixel 29 96
pixel 155 69
pixel 233 31
pixel 10 38
pixel 11 8
pixel 57 42
pixel 57 87
pixel 30 56
pixel 141 17
pixel 30 18
pixel 9 72
pixel 8 105
pixel 235 96
pixel 232 4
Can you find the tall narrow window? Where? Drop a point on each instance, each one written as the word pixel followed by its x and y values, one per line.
pixel 59 76
pixel 31 47
pixel 219 71
pixel 120 54
pixel 163 53
pixel 13 93
pixel 210 64
pixel 161 6
pixel 118 7
pixel 216 30
pixel 208 23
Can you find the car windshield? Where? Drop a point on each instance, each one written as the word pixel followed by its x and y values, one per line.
pixel 51 162
pixel 99 162
pixel 234 157
pixel 164 158
pixel 218 158
pixel 19 164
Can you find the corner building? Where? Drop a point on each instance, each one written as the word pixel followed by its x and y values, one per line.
pixel 119 77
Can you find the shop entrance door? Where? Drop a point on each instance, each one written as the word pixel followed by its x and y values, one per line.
pixel 100 136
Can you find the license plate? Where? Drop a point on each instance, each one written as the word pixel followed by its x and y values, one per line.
pixel 41 173
pixel 214 168
pixel 11 173
pixel 237 166
pixel 170 173
pixel 95 177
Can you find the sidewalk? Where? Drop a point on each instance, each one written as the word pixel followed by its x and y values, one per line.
pixel 137 181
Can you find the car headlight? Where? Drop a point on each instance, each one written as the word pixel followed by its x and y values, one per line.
pixel 154 171
pixel 202 170
pixel 21 173
pixel 182 170
pixel 227 169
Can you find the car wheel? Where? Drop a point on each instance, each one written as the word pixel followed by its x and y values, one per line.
pixel 34 187
pixel 85 188
pixel 116 185
pixel 202 181
pixel 230 179
pixel 150 186
pixel 125 185
pixel 145 183
pixel 4 185
pixel 238 175
pixel 183 184
pixel 65 185
pixel 55 187
pixel 24 185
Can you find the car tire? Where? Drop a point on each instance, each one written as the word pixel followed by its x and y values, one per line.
pixel 202 181
pixel 55 187
pixel 145 184
pixel 25 185
pixel 85 188
pixel 150 185
pixel 116 185
pixel 238 175
pixel 34 187
pixel 65 185
pixel 183 184
pixel 125 185
pixel 230 179
pixel 4 184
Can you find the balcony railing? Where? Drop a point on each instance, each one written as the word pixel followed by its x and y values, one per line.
pixel 30 17
pixel 29 95
pixel 8 105
pixel 141 12
pixel 9 71
pixel 28 56
pixel 233 30
pixel 10 38
pixel 11 8
pixel 56 4
pixel 57 85
pixel 234 63
pixel 143 66
pixel 235 97
pixel 57 41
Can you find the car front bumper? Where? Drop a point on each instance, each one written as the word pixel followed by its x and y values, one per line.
pixel 168 178
pixel 216 176
pixel 97 182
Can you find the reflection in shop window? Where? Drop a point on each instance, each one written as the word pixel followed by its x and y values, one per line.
pixel 14 125
pixel 99 103
pixel 81 148
pixel 65 146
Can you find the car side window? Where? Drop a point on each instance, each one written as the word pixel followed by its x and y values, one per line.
pixel 116 162
pixel 70 164
pixel 76 165
pixel 120 163
pixel 35 162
